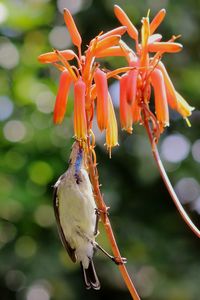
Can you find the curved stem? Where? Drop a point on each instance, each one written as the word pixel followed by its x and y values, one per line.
pixel 105 220
pixel 167 182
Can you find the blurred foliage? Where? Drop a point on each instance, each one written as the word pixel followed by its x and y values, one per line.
pixel 163 255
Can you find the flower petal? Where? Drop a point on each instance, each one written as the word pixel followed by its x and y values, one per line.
pixel 157 20
pixel 107 42
pixel 116 31
pixel 161 107
pixel 80 124
pixel 124 20
pixel 124 107
pixel 52 57
pixel 102 98
pixel 61 99
pixel 183 107
pixel 111 51
pixel 170 90
pixel 73 31
pixel 132 82
pixel 165 47
pixel 112 130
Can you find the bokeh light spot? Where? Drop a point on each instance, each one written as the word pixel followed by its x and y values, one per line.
pixel 187 189
pixel 7 232
pixel 15 280
pixel 45 102
pixel 196 205
pixel 14 131
pixel 6 106
pixel 3 13
pixel 38 292
pixel 11 210
pixel 44 216
pixel 175 148
pixel 25 247
pixel 59 37
pixel 9 55
pixel 146 278
pixel 40 172
pixel 73 6
pixel 14 160
pixel 196 150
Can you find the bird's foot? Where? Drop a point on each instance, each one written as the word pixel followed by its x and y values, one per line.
pixel 118 260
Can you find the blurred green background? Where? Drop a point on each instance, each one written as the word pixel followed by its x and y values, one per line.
pixel 162 253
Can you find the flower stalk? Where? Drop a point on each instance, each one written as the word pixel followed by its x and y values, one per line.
pixel 166 180
pixel 93 172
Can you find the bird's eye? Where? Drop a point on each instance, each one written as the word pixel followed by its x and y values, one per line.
pixel 70 161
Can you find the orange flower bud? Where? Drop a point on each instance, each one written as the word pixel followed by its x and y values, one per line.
pixel 73 31
pixel 111 51
pixel 107 42
pixel 170 90
pixel 124 107
pixel 102 98
pixel 61 99
pixel 165 47
pixel 80 124
pixel 117 31
pixel 112 130
pixel 157 20
pixel 52 57
pixel 161 106
pixel 124 20
pixel 183 107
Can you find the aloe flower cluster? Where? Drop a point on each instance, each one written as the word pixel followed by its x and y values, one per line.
pixel 148 73
pixel 144 72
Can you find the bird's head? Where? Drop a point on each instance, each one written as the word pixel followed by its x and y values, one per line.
pixel 76 158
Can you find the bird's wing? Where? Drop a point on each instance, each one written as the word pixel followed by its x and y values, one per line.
pixel 66 245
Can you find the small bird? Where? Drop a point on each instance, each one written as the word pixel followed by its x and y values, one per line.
pixel 76 215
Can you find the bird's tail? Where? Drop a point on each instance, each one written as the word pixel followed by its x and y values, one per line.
pixel 90 277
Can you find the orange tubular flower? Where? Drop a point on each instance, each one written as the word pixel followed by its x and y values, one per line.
pixel 75 35
pixel 117 31
pixel 111 51
pixel 170 90
pixel 165 47
pixel 161 106
pixel 52 57
pixel 100 80
pixel 108 41
pixel 124 20
pixel 132 81
pixel 111 131
pixel 80 123
pixel 124 106
pixel 61 99
pixel 157 20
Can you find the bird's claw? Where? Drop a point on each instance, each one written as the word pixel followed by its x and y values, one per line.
pixel 119 260
pixel 99 211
